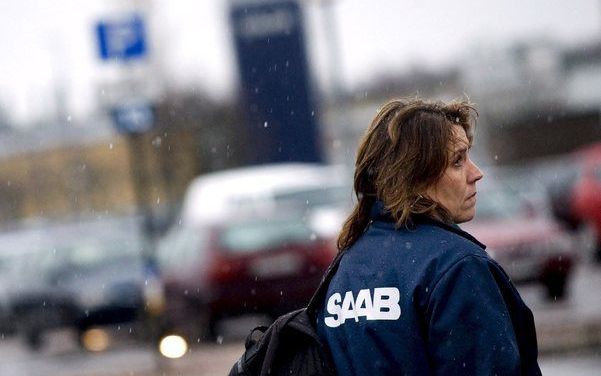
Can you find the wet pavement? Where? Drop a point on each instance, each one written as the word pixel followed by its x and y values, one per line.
pixel 574 322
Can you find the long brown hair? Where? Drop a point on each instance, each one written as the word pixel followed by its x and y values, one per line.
pixel 403 152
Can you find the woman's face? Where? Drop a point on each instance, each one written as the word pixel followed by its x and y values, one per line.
pixel 456 189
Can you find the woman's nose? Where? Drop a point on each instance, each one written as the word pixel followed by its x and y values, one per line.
pixel 476 173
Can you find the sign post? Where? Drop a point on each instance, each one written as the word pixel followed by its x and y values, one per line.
pixel 123 41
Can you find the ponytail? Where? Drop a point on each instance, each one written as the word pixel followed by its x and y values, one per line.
pixel 356 223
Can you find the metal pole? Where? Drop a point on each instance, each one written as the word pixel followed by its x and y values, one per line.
pixel 141 183
pixel 332 42
pixel 153 288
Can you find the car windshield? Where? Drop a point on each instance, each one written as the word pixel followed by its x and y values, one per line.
pixel 87 253
pixel 315 197
pixel 260 235
pixel 65 250
pixel 497 204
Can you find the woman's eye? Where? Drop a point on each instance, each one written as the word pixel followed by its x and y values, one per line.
pixel 458 161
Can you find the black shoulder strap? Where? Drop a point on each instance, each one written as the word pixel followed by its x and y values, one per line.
pixel 319 294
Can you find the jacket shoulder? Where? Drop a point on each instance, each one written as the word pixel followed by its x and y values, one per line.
pixel 452 244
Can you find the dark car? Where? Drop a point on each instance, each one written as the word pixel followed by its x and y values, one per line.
pixel 527 241
pixel 9 265
pixel 85 275
pixel 266 264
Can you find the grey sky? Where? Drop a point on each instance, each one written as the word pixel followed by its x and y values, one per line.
pixel 46 42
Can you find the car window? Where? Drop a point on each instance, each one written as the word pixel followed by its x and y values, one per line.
pixel 181 246
pixel 315 197
pixel 37 266
pixel 69 258
pixel 11 265
pixel 263 235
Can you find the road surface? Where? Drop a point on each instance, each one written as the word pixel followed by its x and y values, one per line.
pixel 62 357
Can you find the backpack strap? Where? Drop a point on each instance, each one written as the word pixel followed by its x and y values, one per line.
pixel 320 293
pixel 250 340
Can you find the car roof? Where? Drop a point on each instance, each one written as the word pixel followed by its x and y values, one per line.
pixel 212 196
pixel 261 178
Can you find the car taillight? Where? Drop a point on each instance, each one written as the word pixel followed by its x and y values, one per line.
pixel 559 264
pixel 223 270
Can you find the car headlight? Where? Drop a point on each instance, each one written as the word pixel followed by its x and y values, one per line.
pixel 95 339
pixel 173 346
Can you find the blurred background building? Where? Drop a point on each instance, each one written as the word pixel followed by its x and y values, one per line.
pixel 537 95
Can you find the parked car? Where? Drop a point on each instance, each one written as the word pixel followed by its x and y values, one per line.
pixel 250 240
pixel 256 264
pixel 85 275
pixel 527 241
pixel 575 192
pixel 16 250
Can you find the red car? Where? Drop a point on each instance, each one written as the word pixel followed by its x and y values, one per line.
pixel 530 245
pixel 267 265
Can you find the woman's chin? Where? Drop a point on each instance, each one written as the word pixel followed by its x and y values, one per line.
pixel 465 216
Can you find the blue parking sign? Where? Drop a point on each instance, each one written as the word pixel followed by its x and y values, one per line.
pixel 122 39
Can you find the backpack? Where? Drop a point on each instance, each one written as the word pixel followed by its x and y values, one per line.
pixel 289 346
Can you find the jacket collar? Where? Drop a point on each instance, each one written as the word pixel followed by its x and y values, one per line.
pixel 379 213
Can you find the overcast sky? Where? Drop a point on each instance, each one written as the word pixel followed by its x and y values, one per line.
pixel 45 43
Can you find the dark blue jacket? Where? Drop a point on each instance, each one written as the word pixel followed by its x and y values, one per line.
pixel 425 300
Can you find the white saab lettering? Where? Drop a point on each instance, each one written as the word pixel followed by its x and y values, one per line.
pixel 383 306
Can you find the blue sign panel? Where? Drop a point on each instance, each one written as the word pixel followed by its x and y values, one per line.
pixel 273 67
pixel 133 118
pixel 122 39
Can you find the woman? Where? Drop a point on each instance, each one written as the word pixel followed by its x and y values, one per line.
pixel 414 294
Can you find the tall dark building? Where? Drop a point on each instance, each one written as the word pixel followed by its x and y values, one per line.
pixel 272 61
